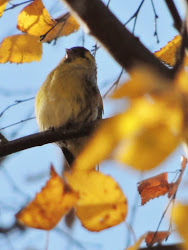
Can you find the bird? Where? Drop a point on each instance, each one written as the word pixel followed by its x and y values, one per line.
pixel 68 96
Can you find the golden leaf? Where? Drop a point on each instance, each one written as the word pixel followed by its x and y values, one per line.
pixel 148 148
pixel 143 80
pixel 34 19
pixel 65 25
pixel 168 53
pixel 3 4
pixel 20 49
pixel 48 207
pixel 180 218
pixel 101 202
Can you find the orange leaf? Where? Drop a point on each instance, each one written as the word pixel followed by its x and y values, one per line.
pixel 159 237
pixel 65 25
pixel 169 52
pixel 48 207
pixel 153 187
pixel 3 4
pixel 20 49
pixel 34 19
pixel 101 202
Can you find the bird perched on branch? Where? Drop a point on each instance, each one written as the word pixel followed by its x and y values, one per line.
pixel 70 95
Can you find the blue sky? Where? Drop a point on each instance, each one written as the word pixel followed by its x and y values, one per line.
pixel 23 174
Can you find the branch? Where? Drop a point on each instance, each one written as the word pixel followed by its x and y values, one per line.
pixel 120 43
pixel 175 15
pixel 167 247
pixel 48 136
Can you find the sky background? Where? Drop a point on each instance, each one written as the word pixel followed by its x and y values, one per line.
pixel 24 173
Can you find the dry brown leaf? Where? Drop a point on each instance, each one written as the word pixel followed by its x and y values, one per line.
pixel 34 19
pixel 159 237
pixel 153 187
pixel 101 202
pixel 48 207
pixel 20 49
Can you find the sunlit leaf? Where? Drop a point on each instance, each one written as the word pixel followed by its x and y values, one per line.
pixel 34 19
pixel 20 49
pixel 153 237
pixel 139 120
pixel 148 148
pixel 137 244
pixel 180 218
pixel 3 4
pixel 168 53
pixel 153 187
pixel 65 25
pixel 143 80
pixel 101 202
pixel 48 207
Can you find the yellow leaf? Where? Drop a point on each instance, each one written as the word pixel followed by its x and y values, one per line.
pixel 48 207
pixel 101 202
pixel 3 4
pixel 20 49
pixel 147 149
pixel 169 52
pixel 65 25
pixel 34 19
pixel 143 114
pixel 180 218
pixel 143 80
pixel 137 244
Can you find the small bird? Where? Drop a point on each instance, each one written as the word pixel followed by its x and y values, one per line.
pixel 70 95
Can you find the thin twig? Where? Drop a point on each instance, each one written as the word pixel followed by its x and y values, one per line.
pixel 16 123
pixel 135 16
pixel 155 17
pixel 114 84
pixel 14 104
pixel 16 5
pixel 175 14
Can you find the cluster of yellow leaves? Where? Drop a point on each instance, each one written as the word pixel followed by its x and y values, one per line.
pixel 35 21
pixel 97 199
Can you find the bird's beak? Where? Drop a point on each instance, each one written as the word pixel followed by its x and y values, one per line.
pixel 69 53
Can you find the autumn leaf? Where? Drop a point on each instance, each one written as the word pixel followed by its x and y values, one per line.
pixel 140 118
pixel 180 218
pixel 153 187
pixel 34 19
pixel 48 207
pixel 3 4
pixel 168 53
pixel 156 237
pixel 20 49
pixel 137 244
pixel 143 80
pixel 153 144
pixel 101 202
pixel 65 25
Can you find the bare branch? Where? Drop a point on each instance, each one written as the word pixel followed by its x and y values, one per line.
pixel 120 43
pixel 49 136
pixel 175 15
